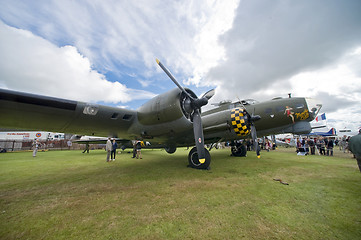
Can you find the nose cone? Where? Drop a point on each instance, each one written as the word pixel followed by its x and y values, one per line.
pixel 313 106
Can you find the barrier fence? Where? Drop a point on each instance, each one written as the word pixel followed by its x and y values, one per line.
pixel 23 145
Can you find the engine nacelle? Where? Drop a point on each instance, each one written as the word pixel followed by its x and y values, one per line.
pixel 164 108
pixel 235 120
pixel 240 122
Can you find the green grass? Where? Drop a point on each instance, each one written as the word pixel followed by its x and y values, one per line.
pixel 70 195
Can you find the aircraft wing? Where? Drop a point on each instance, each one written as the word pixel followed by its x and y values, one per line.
pixel 122 143
pixel 34 112
pixel 100 140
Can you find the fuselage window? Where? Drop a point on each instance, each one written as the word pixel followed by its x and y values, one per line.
pixel 268 110
pixel 114 116
pixel 280 109
pixel 127 117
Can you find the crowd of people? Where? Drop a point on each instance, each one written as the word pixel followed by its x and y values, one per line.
pixel 304 146
pixel 111 149
pixel 321 145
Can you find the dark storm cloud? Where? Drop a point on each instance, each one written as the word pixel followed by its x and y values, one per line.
pixel 274 40
pixel 332 103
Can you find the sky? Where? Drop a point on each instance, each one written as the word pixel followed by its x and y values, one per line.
pixel 104 51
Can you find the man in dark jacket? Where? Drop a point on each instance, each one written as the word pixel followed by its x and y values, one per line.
pixel 114 150
pixel 311 143
pixel 329 146
pixel 354 145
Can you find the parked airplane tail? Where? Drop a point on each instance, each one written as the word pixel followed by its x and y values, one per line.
pixel 332 131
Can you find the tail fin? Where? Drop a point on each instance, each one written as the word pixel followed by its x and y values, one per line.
pixel 332 131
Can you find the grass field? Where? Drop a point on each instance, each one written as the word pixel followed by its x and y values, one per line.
pixel 70 195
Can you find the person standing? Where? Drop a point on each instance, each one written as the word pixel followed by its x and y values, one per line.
pixel 343 144
pixel 330 147
pixel 139 149
pixel 86 148
pixel 322 148
pixel 36 145
pixel 69 143
pixel 134 148
pixel 318 145
pixel 114 150
pixel 298 145
pixel 311 143
pixel 108 148
pixel 306 146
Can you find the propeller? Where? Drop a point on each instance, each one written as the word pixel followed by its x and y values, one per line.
pixel 195 105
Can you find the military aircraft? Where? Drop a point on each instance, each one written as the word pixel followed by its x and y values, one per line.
pixel 170 120
pixel 331 132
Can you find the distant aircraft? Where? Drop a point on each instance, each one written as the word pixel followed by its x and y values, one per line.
pixel 123 144
pixel 346 132
pixel 331 132
pixel 170 120
pixel 286 142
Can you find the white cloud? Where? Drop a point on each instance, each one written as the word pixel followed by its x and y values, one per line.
pixel 182 34
pixel 144 83
pixel 32 64
pixel 208 51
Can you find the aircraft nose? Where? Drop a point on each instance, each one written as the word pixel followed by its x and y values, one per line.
pixel 314 106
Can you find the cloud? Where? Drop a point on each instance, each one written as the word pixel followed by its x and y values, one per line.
pixel 271 41
pixel 116 34
pixel 32 64
pixel 333 103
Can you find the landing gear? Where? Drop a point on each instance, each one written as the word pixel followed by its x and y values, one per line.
pixel 194 161
pixel 239 150
pixel 170 149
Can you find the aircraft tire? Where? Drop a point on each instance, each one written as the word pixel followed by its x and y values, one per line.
pixel 243 151
pixel 194 162
pixel 170 150
pixel 240 151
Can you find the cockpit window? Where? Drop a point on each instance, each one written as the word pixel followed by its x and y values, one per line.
pixel 299 106
pixel 249 102
pixel 313 106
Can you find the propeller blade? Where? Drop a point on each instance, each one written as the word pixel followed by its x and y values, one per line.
pixel 173 79
pixel 198 135
pixel 254 139
pixel 209 94
pixel 200 102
